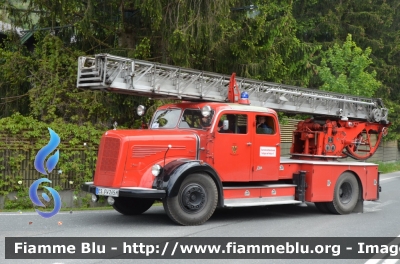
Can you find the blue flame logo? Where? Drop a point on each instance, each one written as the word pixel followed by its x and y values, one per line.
pixel 35 199
pixel 39 166
pixel 46 150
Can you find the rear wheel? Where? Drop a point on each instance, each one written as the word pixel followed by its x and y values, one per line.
pixel 196 200
pixel 345 195
pixel 131 205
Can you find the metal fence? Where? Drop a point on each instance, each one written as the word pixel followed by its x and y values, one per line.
pixel 18 165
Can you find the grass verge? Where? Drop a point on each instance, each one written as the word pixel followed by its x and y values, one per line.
pixel 61 210
pixel 388 167
pixel 66 209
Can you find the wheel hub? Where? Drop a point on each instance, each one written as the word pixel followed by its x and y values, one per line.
pixel 193 198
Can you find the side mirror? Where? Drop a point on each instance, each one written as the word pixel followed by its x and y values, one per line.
pixel 225 125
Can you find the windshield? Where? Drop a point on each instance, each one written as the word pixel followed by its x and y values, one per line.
pixel 192 118
pixel 167 118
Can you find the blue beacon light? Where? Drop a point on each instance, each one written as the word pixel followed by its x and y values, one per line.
pixel 244 98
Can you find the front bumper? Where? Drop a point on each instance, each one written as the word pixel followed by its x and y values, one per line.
pixel 128 192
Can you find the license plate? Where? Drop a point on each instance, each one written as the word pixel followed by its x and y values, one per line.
pixel 107 192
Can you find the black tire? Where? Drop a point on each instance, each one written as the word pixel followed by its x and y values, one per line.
pixel 196 200
pixel 131 205
pixel 345 195
pixel 322 207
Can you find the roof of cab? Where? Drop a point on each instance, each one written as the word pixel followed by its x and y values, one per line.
pixel 221 106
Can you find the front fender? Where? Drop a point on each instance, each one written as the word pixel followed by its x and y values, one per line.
pixel 176 171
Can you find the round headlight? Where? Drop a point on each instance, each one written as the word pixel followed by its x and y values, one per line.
pixel 206 111
pixel 155 170
pixel 140 110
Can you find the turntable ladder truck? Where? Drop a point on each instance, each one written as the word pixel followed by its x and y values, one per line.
pixel 220 145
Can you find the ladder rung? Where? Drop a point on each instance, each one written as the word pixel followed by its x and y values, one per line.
pixel 92 85
pixel 90 73
pixel 90 79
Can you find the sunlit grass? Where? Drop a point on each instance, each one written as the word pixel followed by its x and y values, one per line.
pixel 50 209
pixel 66 209
pixel 388 167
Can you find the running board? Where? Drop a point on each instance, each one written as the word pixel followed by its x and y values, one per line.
pixel 246 202
pixel 264 194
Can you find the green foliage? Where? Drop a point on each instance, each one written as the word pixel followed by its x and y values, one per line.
pixel 43 84
pixel 20 201
pixel 283 119
pixel 344 70
pixel 388 167
pixel 374 24
pixel 84 202
pixel 265 46
pixel 225 37
pixel 394 129
pixel 27 135
pixel 143 49
pixel 14 86
pixel 53 89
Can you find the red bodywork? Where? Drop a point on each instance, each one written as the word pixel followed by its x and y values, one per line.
pixel 126 156
pixel 321 177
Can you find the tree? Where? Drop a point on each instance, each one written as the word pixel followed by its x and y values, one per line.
pixel 374 24
pixel 264 45
pixel 269 39
pixel 14 85
pixel 344 70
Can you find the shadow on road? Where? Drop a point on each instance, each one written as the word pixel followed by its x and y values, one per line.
pixel 157 216
pixel 265 212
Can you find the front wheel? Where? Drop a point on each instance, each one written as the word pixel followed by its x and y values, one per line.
pixel 345 195
pixel 131 205
pixel 196 200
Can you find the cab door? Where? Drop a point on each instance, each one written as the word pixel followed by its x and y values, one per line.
pixel 266 148
pixel 232 147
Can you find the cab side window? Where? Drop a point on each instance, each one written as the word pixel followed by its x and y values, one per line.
pixel 265 125
pixel 237 124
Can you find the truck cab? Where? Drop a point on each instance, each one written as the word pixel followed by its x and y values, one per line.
pixel 239 151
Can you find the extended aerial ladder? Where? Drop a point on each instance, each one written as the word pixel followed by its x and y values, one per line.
pixel 342 126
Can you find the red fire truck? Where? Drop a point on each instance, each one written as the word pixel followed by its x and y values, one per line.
pixel 220 147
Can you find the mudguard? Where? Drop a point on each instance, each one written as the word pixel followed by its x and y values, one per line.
pixel 176 171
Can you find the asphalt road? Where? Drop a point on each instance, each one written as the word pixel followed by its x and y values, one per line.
pixel 380 219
